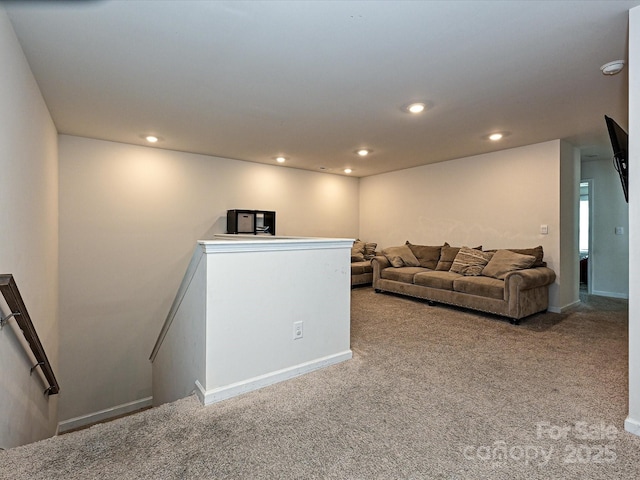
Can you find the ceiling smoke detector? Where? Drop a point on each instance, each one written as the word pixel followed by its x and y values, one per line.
pixel 612 68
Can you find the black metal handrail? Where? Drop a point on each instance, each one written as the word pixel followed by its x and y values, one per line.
pixel 19 312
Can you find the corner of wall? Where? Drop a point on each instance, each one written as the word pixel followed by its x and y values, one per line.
pixel 29 141
pixel 633 421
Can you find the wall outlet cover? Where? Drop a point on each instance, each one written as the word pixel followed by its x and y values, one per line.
pixel 297 330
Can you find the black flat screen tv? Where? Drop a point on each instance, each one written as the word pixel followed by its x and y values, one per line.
pixel 620 145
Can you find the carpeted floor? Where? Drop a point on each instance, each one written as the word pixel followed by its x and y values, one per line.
pixel 431 393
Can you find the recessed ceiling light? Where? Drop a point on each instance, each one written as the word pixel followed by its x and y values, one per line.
pixel 347 170
pixel 151 138
pixel 281 159
pixel 495 136
pixel 363 152
pixel 417 107
pixel 612 68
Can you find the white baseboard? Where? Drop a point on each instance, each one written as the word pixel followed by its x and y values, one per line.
pixel 596 292
pixel 565 308
pixel 610 294
pixel 207 397
pixel 105 414
pixel 632 426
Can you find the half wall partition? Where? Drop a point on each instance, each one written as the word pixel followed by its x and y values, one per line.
pixel 253 311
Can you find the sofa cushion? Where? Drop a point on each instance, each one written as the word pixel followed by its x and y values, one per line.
pixel 358 268
pixel 369 250
pixel 357 251
pixel 436 279
pixel 428 256
pixel 401 256
pixel 401 274
pixel 481 286
pixel 447 256
pixel 470 261
pixel 505 261
pixel 537 252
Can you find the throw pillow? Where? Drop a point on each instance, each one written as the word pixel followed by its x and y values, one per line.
pixel 448 255
pixel 400 257
pixel 505 261
pixel 369 250
pixel 357 251
pixel 427 256
pixel 470 261
pixel 537 252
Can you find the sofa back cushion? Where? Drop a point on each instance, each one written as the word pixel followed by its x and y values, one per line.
pixel 447 256
pixel 428 256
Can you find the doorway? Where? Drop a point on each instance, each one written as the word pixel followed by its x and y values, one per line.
pixel 585 237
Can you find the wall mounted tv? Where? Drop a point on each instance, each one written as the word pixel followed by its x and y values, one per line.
pixel 620 144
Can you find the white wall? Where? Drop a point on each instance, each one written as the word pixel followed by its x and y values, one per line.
pixel 569 268
pixel 28 242
pixel 129 220
pixel 497 200
pixel 609 252
pixel 633 420
pixel 179 355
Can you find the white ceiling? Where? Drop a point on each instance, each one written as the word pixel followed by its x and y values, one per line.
pixel 314 81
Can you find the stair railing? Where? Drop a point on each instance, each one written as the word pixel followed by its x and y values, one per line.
pixel 19 312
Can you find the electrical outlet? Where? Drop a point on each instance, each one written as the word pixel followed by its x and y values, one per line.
pixel 297 330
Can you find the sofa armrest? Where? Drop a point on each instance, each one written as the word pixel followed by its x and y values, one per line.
pixel 527 291
pixel 378 263
pixel 530 278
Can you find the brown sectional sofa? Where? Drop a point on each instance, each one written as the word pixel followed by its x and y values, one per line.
pixel 511 282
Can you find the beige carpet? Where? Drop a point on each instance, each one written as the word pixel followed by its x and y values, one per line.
pixel 432 393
